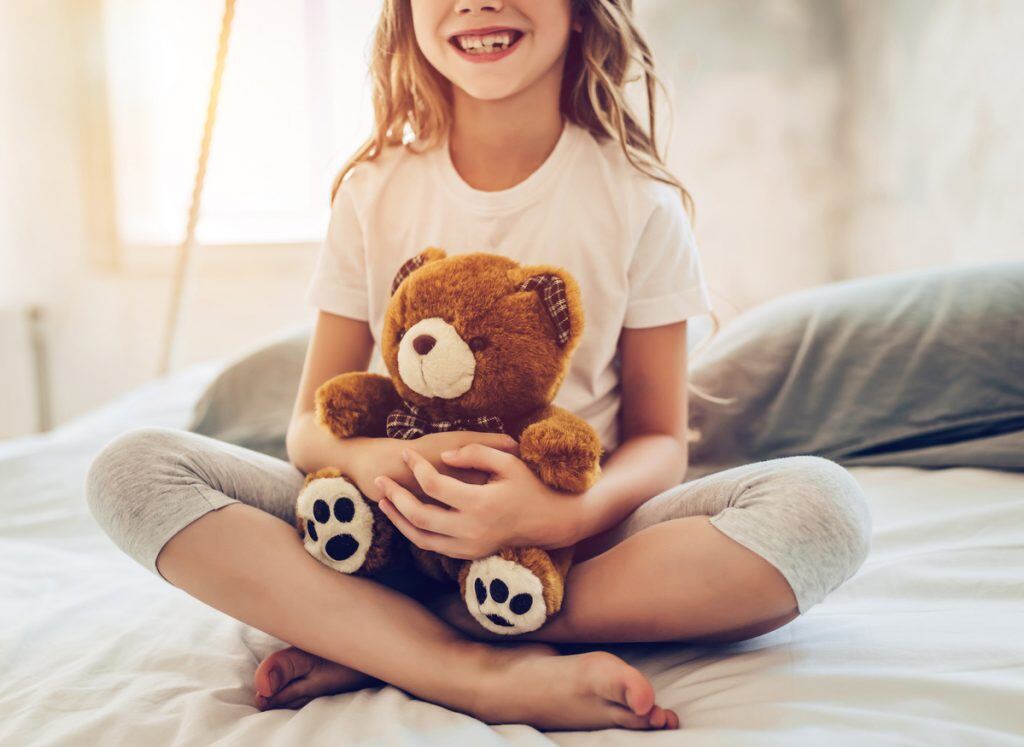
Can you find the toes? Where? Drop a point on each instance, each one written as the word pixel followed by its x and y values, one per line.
pixel 327 679
pixel 638 691
pixel 629 692
pixel 270 704
pixel 662 718
pixel 297 689
pixel 287 696
pixel 626 719
pixel 280 668
pixel 618 682
pixel 657 718
pixel 673 720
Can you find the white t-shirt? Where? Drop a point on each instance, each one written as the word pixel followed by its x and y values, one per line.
pixel 624 236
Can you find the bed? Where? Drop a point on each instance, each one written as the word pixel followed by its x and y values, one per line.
pixel 924 645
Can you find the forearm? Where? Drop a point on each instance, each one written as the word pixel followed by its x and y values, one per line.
pixel 640 468
pixel 311 446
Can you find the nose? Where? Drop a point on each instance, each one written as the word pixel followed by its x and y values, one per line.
pixel 423 344
pixel 468 6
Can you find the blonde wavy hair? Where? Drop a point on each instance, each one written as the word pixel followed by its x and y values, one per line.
pixel 412 100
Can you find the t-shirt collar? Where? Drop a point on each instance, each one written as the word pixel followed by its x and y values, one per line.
pixel 514 197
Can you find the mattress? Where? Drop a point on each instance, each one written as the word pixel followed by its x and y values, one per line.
pixel 925 645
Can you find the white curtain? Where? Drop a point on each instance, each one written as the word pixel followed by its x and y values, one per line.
pixel 294 103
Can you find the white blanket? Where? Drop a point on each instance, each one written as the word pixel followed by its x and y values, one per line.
pixel 925 645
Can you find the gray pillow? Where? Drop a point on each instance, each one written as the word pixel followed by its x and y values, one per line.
pixel 250 402
pixel 920 368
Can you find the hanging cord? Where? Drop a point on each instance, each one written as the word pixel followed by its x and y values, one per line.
pixel 185 250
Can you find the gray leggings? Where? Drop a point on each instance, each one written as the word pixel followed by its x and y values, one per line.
pixel 804 514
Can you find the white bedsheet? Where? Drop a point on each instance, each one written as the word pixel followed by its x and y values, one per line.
pixel 924 646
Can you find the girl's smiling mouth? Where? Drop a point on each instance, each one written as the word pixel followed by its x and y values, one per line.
pixel 487 44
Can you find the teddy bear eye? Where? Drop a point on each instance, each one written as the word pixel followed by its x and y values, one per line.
pixel 400 334
pixel 477 344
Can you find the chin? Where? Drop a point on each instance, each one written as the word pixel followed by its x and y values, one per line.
pixel 491 90
pixel 489 93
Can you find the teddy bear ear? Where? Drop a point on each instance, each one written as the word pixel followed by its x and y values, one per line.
pixel 565 312
pixel 429 254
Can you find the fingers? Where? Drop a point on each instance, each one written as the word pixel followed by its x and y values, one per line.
pixel 423 539
pixel 500 441
pixel 443 488
pixel 481 457
pixel 421 516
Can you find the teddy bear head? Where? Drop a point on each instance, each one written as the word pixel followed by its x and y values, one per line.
pixel 478 334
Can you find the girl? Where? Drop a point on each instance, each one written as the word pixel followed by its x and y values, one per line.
pixel 500 126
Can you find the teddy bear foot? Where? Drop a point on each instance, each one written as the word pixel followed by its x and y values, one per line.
pixel 504 596
pixel 338 523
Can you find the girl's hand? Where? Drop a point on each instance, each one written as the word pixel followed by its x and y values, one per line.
pixel 383 456
pixel 514 508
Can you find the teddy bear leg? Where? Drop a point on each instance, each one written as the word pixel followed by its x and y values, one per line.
pixel 341 528
pixel 517 590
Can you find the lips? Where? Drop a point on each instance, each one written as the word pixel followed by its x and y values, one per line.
pixel 483 31
pixel 485 44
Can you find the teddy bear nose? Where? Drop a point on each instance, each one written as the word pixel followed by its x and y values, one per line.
pixel 423 344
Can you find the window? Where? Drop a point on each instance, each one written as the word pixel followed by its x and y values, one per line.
pixel 294 104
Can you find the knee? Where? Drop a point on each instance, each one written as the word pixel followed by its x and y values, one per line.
pixel 835 521
pixel 113 478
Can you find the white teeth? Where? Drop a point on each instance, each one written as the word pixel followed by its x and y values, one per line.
pixel 485 44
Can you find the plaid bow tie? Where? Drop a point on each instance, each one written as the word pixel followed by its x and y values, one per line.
pixel 407 422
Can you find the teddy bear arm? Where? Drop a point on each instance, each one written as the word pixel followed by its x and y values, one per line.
pixel 356 404
pixel 562 449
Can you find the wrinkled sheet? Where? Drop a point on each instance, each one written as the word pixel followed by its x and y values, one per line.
pixel 922 646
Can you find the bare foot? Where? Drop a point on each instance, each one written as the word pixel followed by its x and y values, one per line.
pixel 532 684
pixel 525 683
pixel 291 677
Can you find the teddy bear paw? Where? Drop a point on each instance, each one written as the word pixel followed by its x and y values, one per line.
pixel 338 523
pixel 504 596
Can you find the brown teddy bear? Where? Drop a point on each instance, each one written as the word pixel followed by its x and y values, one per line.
pixel 472 342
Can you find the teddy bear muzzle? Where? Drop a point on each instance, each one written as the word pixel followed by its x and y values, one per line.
pixel 434 360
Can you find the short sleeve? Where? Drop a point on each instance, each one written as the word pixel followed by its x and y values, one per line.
pixel 666 282
pixel 338 285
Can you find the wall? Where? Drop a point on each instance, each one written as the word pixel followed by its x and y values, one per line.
pixel 757 103
pixel 104 309
pixel 935 132
pixel 825 140
pixel 821 140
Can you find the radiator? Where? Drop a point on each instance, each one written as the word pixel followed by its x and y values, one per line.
pixel 24 400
